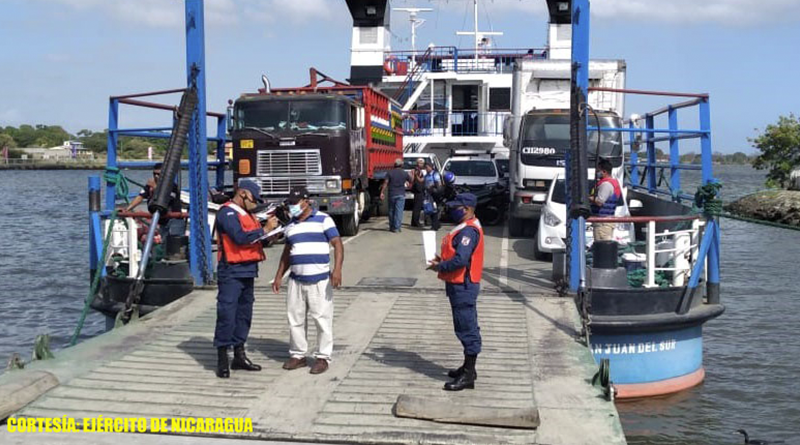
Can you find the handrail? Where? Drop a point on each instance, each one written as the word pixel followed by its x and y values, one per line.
pixel 642 219
pixel 148 215
pixel 648 92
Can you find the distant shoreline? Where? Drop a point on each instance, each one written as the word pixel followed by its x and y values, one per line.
pixel 55 166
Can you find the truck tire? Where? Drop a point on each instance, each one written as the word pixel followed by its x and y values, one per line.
pixel 348 224
pixel 366 204
pixel 515 226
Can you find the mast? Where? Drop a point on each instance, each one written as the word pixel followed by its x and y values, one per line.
pixel 415 22
pixel 477 33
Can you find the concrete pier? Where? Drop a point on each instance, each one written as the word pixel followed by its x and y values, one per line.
pixel 393 336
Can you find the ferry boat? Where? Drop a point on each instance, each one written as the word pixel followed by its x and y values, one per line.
pixel 647 337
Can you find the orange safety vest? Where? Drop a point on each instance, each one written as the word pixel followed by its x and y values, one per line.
pixel 237 253
pixel 449 252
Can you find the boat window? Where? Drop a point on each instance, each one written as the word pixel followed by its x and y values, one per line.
pixel 472 168
pixel 293 116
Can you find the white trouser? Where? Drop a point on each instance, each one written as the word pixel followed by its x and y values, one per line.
pixel 315 299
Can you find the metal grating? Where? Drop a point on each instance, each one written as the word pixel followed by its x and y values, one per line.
pixel 282 186
pixel 288 162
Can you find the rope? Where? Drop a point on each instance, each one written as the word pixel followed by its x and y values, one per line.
pixel 95 280
pixel 112 175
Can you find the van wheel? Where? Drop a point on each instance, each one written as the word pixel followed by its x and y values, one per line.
pixel 515 227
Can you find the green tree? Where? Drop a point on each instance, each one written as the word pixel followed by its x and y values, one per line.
pixel 779 145
pixel 6 141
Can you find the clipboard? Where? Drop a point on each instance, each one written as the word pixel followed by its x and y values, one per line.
pixel 276 231
pixel 428 246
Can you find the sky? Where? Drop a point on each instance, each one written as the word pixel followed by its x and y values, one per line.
pixel 62 59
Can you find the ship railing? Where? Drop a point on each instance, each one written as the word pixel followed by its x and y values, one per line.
pixel 455 123
pixel 124 240
pixel 452 59
pixel 676 251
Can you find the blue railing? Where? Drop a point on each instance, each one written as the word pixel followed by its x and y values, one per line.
pixel 653 172
pixel 450 58
pixel 456 123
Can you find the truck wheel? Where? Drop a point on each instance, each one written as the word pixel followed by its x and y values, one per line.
pixel 349 223
pixel 365 203
pixel 515 227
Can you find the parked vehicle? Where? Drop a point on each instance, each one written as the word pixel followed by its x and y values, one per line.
pixel 552 232
pixel 538 135
pixel 337 141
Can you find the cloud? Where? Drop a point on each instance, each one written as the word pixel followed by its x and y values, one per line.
pixel 170 14
pixel 723 12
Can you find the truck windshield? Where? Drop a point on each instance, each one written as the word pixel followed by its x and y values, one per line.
pixel 472 168
pixel 292 116
pixel 546 140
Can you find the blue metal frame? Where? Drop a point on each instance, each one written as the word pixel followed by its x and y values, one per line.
pixel 580 57
pixel 673 134
pixel 200 256
pixel 199 233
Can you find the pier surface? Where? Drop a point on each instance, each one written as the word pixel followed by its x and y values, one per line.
pixel 393 335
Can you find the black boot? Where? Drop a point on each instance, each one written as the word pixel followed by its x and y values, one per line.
pixel 240 360
pixel 456 373
pixel 466 380
pixel 223 371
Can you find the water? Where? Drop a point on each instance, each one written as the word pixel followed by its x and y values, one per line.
pixel 750 352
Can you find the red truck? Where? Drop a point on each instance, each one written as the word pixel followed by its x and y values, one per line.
pixel 338 141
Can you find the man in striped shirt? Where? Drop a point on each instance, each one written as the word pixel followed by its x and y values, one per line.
pixel 307 255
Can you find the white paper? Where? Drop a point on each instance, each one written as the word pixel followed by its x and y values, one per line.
pixel 274 232
pixel 429 245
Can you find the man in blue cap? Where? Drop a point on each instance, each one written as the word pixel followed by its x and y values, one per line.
pixel 460 266
pixel 239 252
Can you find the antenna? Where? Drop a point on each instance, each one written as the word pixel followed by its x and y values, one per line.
pixel 479 35
pixel 415 22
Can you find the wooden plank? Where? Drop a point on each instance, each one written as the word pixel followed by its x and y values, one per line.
pixel 445 411
pixel 26 387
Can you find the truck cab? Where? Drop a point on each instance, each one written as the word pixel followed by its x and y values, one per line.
pixel 328 140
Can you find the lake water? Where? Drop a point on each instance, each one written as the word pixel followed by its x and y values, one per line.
pixel 750 352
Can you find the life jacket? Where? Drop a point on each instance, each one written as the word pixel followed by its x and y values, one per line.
pixel 476 262
pixel 610 206
pixel 234 253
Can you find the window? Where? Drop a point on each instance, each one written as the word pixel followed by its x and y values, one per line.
pixel 499 99
pixel 472 168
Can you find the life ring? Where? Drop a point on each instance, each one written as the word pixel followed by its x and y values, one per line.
pixel 390 65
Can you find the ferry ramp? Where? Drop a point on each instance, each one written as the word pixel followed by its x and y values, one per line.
pixel 393 336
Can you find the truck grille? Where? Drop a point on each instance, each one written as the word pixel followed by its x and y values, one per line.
pixel 282 186
pixel 288 162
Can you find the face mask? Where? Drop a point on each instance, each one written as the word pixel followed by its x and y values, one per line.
pixel 457 214
pixel 295 210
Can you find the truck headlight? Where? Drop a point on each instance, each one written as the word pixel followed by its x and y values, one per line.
pixel 550 219
pixel 331 184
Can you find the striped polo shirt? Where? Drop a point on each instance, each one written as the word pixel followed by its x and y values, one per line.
pixel 309 254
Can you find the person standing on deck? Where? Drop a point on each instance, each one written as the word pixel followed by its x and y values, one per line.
pixel 418 188
pixel 460 266
pixel 604 201
pixel 395 182
pixel 307 252
pixel 433 193
pixel 238 256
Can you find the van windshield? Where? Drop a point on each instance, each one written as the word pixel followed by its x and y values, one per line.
pixel 546 140
pixel 559 195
